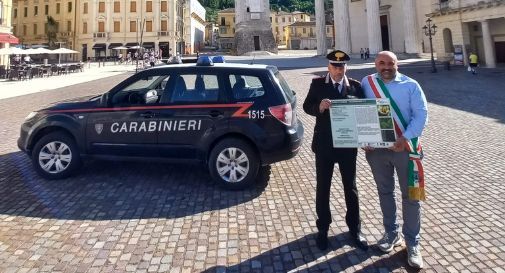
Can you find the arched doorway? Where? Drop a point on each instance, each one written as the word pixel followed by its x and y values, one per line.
pixel 448 45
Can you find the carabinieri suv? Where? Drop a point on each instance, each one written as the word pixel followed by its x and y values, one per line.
pixel 233 118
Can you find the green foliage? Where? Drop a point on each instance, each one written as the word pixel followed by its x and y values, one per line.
pixel 213 6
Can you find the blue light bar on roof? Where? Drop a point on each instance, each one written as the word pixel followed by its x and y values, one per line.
pixel 204 61
pixel 218 59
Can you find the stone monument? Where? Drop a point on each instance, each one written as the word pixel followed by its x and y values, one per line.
pixel 253 30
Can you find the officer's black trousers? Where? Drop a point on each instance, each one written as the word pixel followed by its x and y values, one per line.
pixel 324 170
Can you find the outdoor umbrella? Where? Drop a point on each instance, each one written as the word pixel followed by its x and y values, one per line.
pixel 120 48
pixel 11 51
pixel 63 50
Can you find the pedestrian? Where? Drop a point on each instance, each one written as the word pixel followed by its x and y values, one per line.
pixel 152 60
pixel 367 53
pixel 474 62
pixel 335 85
pixel 128 57
pixel 362 53
pixel 120 57
pixel 410 116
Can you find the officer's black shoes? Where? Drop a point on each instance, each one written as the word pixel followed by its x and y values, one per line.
pixel 360 241
pixel 322 240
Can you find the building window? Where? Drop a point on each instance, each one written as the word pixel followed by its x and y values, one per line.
pixel 36 10
pixel 304 31
pixel 15 30
pixel 15 13
pixel 133 7
pixel 283 19
pixel 133 26
pixel 46 9
pixel 290 19
pixel 276 20
pixel 149 6
pixel 164 6
pixel 26 11
pixel 149 26
pixel 69 26
pixel 117 6
pixel 164 25
pixel 69 6
pixel 101 26
pixel 34 29
pixel 117 26
pixel 101 7
pixel 84 28
pixel 223 21
pixel 57 8
pixel 24 30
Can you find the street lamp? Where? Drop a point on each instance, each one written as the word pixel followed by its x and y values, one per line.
pixel 430 30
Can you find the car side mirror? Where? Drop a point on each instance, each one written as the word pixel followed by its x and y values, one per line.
pixel 103 99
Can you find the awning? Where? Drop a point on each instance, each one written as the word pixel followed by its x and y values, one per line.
pixel 130 44
pixel 8 38
pixel 99 46
pixel 113 45
pixel 163 44
pixel 148 45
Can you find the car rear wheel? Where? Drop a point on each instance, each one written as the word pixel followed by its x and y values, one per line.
pixel 55 156
pixel 233 164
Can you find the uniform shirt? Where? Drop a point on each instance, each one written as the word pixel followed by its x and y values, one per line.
pixel 409 97
pixel 473 58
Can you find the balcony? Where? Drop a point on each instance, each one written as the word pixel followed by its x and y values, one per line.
pixel 66 34
pixel 163 33
pixel 100 35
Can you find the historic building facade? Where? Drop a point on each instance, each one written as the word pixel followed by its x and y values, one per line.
pixel 378 25
pixel 280 22
pixel 6 36
pixel 95 27
pixel 45 22
pixel 166 25
pixel 302 35
pixel 470 25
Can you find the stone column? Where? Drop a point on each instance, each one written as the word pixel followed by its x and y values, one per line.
pixel 320 28
pixel 488 45
pixel 411 29
pixel 342 25
pixel 373 23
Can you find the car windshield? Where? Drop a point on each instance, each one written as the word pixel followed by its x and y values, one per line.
pixel 284 86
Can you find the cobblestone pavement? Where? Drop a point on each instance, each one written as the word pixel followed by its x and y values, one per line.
pixel 151 217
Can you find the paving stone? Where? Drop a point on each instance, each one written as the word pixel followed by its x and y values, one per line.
pixel 159 217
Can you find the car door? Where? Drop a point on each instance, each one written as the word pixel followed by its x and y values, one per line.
pixel 128 126
pixel 194 112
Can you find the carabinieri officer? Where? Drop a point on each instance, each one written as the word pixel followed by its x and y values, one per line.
pixel 335 85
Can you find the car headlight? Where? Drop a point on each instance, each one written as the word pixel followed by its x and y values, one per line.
pixel 31 115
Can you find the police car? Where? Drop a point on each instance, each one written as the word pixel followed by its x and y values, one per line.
pixel 234 118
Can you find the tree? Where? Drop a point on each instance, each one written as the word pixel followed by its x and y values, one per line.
pixel 52 30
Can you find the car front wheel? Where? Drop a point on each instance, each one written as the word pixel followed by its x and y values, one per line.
pixel 55 156
pixel 233 164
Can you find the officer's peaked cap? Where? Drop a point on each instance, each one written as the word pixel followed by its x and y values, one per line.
pixel 338 58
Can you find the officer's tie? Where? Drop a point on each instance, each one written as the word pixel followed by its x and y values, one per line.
pixel 336 85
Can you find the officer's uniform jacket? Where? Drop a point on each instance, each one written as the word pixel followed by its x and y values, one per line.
pixel 320 89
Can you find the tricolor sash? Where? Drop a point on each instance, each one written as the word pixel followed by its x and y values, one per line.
pixel 415 171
